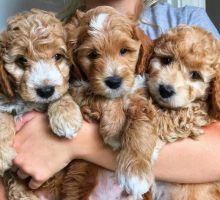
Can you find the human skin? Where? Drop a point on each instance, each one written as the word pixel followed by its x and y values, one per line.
pixel 123 6
pixel 186 161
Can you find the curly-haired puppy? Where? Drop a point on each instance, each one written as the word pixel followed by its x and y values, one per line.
pixel 185 62
pixel 34 74
pixel 109 54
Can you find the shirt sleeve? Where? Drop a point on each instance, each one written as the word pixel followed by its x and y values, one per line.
pixel 165 16
pixel 199 17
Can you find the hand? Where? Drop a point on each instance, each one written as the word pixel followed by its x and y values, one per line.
pixel 41 154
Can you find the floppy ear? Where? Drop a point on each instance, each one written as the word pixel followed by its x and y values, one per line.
pixel 79 14
pixel 145 52
pixel 75 19
pixel 5 78
pixel 72 38
pixel 215 97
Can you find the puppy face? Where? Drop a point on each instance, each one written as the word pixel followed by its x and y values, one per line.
pixel 107 51
pixel 35 56
pixel 184 63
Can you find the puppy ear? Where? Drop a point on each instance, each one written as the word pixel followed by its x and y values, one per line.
pixel 72 39
pixel 145 52
pixel 79 14
pixel 5 78
pixel 75 19
pixel 215 97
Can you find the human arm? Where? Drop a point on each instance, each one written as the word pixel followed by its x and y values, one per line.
pixel 54 153
pixel 187 161
pixel 191 161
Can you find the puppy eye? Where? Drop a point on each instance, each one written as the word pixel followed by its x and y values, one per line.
pixel 195 75
pixel 21 60
pixel 166 60
pixel 123 51
pixel 16 28
pixel 58 56
pixel 93 55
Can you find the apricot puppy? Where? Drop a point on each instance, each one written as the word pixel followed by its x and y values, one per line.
pixel 109 53
pixel 34 75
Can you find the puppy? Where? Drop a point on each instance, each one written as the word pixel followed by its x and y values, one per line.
pixel 34 75
pixel 109 54
pixel 184 65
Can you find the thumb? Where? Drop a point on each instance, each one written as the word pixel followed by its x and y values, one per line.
pixel 24 119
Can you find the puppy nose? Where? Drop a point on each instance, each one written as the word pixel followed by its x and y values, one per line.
pixel 166 91
pixel 113 82
pixel 45 92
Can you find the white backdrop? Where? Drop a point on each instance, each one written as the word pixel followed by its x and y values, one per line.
pixel 11 7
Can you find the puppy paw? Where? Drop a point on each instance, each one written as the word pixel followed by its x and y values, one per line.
pixel 113 142
pixel 65 117
pixel 136 178
pixel 66 124
pixel 134 185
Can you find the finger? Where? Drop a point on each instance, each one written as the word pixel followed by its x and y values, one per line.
pixel 24 119
pixel 33 184
pixel 21 174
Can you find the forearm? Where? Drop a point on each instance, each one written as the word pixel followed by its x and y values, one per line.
pixel 105 158
pixel 92 148
pixel 191 161
pixel 187 161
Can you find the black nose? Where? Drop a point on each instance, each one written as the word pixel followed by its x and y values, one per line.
pixel 45 92
pixel 113 82
pixel 166 91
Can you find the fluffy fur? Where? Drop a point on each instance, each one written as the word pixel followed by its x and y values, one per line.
pixel 186 59
pixel 184 78
pixel 109 54
pixel 34 75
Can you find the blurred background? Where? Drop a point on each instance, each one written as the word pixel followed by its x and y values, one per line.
pixel 213 10
pixel 10 7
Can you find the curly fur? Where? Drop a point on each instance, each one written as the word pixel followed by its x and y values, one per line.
pixel 190 49
pixel 186 61
pixel 33 56
pixel 123 113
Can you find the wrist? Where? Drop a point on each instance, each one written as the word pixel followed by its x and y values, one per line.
pixel 86 142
